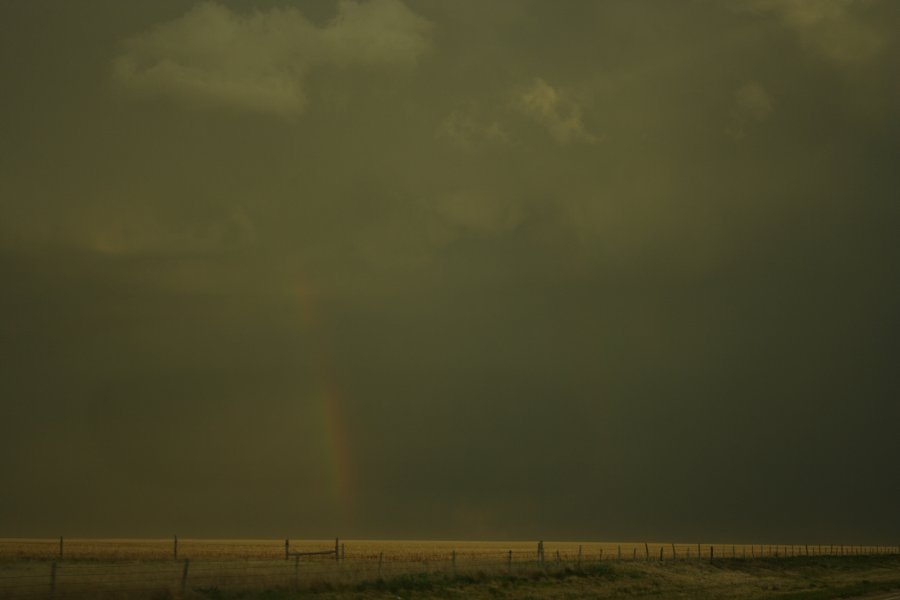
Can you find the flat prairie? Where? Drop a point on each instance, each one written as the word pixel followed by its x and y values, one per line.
pixel 408 550
pixel 364 569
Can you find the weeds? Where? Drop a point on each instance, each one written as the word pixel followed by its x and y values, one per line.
pixel 792 578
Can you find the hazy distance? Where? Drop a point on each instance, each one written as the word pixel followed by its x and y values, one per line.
pixel 597 270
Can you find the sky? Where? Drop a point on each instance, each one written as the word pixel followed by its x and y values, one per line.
pixel 592 270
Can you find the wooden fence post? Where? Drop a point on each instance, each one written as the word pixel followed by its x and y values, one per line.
pixel 733 551
pixel 509 560
pixel 579 556
pixel 343 552
pixel 557 557
pixel 175 548
pixel 453 559
pixel 634 553
pixel 646 551
pixel 619 553
pixel 674 553
pixel 184 575
pixel 660 554
pixel 337 544
pixel 699 553
pixel 287 548
pixel 60 547
pixel 53 578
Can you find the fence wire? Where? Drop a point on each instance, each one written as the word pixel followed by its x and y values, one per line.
pixel 40 576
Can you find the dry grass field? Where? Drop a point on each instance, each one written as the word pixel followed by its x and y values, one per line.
pixel 389 569
pixel 405 551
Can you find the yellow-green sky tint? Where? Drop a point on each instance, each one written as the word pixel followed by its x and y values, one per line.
pixel 600 269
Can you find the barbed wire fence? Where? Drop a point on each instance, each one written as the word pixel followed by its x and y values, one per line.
pixel 42 569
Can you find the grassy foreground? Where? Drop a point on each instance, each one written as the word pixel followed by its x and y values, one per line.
pixel 798 578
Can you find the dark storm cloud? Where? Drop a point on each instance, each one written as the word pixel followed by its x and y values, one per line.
pixel 620 270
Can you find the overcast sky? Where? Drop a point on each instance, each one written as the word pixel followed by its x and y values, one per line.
pixel 598 270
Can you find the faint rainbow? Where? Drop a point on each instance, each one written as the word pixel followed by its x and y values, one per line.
pixel 335 442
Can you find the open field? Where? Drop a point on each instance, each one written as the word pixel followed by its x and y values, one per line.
pixel 390 569
pixel 404 550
